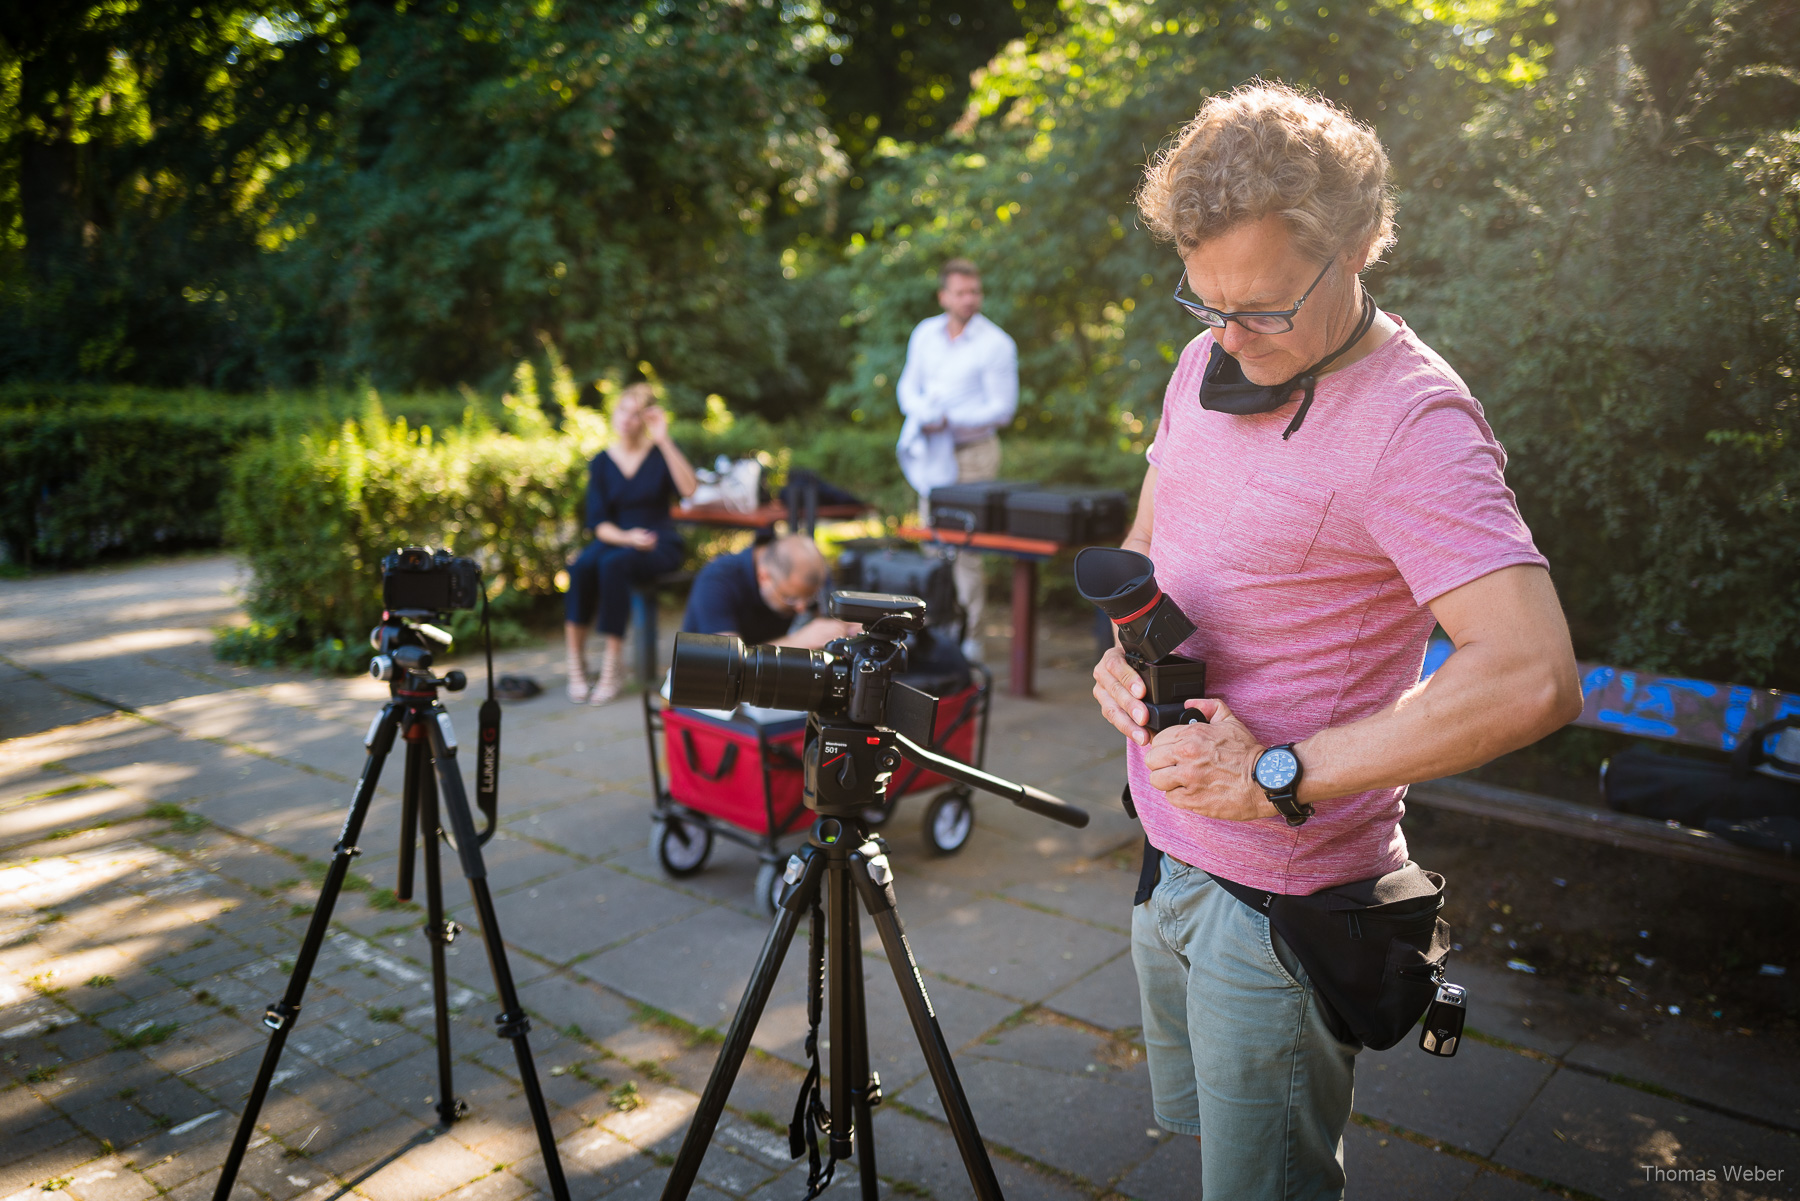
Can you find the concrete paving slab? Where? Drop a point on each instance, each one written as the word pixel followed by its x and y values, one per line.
pixel 1432 1096
pixel 1106 997
pixel 1490 1186
pixel 594 826
pixel 1171 1172
pixel 1379 1166
pixel 1086 890
pixel 1079 1124
pixel 1604 1138
pixel 1018 952
pixel 30 705
pixel 1683 1057
pixel 592 909
pixel 716 947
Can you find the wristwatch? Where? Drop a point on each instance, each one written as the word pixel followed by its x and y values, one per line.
pixel 1277 771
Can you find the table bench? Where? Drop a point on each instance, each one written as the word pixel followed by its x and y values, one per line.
pixel 1689 712
pixel 1026 554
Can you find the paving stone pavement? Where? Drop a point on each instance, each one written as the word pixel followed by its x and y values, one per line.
pixel 164 821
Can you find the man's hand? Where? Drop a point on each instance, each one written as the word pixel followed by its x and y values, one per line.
pixel 1120 692
pixel 1207 768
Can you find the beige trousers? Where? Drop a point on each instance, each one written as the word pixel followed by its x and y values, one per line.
pixel 975 462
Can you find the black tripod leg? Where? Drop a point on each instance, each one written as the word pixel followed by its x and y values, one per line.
pixel 280 1016
pixel 844 958
pixel 438 933
pixel 874 879
pixel 409 818
pixel 512 1022
pixel 864 1085
pixel 799 899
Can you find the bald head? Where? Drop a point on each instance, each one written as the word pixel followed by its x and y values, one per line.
pixel 789 572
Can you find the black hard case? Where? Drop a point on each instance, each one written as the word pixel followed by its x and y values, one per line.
pixel 985 499
pixel 1071 516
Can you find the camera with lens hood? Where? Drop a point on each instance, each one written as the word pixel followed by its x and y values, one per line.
pixel 1122 583
pixel 418 579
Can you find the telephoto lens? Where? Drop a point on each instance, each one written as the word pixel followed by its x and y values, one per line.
pixel 717 671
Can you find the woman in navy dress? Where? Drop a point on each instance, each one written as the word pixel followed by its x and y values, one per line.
pixel 631 485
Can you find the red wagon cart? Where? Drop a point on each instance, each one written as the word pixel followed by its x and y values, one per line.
pixel 738 775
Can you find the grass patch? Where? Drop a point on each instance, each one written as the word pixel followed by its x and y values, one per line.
pixel 99 981
pixel 654 1070
pixel 41 1075
pixel 179 819
pixel 386 1013
pixel 390 931
pixel 64 790
pixel 767 1120
pixel 696 1036
pixel 907 1188
pixel 626 1097
pixel 300 910
pixel 581 1073
pixel 70 833
pixel 384 900
pixel 58 1183
pixel 149 1036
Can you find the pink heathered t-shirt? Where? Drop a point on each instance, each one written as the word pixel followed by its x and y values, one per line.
pixel 1306 566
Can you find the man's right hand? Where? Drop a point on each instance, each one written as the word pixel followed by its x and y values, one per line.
pixel 1120 692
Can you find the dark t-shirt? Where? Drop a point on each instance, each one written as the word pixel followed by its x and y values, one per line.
pixel 725 598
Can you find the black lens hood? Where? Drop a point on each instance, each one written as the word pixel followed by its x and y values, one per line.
pixel 1121 582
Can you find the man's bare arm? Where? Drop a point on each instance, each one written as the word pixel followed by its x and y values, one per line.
pixel 1511 681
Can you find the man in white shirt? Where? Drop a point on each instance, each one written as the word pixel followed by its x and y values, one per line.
pixel 960 385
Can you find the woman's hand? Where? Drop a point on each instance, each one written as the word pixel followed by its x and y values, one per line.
pixel 656 424
pixel 641 539
pixel 1120 692
pixel 1207 768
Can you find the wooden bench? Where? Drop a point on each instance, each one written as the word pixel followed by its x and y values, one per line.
pixel 1698 713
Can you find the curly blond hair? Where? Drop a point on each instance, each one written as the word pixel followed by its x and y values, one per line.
pixel 1266 148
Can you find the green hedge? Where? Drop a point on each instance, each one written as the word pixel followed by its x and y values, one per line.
pixel 88 472
pixel 313 511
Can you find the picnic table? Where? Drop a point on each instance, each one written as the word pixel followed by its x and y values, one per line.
pixel 1026 554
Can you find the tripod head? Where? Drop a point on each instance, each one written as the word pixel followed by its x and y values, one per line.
pixel 403 645
pixel 860 719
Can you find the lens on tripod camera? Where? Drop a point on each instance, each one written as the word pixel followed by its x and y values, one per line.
pixel 713 671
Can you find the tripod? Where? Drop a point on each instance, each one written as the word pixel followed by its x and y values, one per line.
pixel 847 769
pixel 414 715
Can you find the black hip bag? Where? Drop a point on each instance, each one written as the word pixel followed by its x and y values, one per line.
pixel 1374 949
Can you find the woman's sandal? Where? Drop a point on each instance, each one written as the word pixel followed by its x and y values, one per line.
pixel 579 689
pixel 609 685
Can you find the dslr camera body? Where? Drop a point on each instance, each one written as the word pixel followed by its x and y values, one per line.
pixel 1122 583
pixel 418 579
pixel 848 688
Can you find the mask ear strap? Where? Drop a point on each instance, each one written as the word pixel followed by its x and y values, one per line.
pixel 1310 380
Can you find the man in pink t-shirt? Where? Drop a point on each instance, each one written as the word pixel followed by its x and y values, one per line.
pixel 1322 490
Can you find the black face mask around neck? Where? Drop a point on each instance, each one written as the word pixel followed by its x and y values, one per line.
pixel 1223 388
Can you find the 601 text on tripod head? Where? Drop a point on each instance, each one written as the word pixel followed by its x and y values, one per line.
pixel 860 721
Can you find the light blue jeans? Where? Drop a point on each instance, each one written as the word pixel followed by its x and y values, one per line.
pixel 1239 1053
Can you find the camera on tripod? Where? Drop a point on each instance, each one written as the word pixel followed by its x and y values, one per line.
pixel 417 579
pixel 851 679
pixel 1149 626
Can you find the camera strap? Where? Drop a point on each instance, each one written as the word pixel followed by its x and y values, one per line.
pixel 487 746
pixel 810 1113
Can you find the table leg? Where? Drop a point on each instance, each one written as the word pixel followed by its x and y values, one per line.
pixel 1024 623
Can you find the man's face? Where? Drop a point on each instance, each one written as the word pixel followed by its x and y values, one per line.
pixel 960 296
pixel 1254 267
pixel 790 595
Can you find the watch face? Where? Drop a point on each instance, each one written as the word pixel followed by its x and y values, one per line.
pixel 1277 768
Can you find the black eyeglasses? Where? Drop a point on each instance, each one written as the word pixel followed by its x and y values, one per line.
pixel 1257 323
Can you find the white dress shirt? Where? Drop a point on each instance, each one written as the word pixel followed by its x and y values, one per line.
pixel 972 382
pixel 969 384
